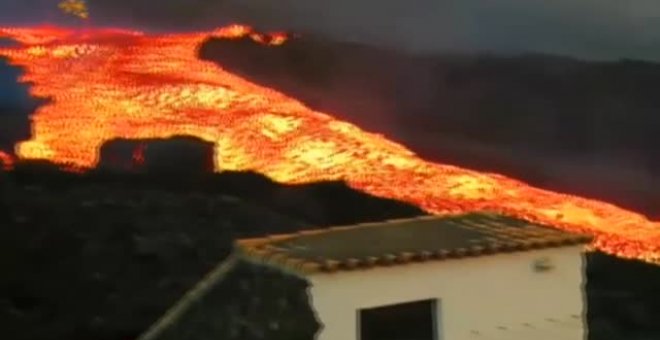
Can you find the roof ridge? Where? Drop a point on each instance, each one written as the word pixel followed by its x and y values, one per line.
pixel 321 230
pixel 469 235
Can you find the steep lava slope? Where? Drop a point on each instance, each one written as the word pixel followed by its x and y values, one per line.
pixel 109 83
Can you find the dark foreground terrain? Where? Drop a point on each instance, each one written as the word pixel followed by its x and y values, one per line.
pixel 104 254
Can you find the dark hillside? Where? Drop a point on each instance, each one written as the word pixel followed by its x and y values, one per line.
pixel 102 255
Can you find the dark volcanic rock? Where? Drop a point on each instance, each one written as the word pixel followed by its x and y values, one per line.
pixel 623 298
pixel 102 255
pixel 232 308
pixel 14 127
pixel 16 106
pixel 175 156
pixel 94 259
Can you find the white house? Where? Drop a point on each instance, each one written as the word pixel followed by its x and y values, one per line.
pixel 468 277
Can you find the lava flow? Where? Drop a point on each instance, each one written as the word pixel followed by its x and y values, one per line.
pixel 109 83
pixel 6 161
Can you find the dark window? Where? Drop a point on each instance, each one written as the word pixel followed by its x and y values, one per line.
pixel 405 321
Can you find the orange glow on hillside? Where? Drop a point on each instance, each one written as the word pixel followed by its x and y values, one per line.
pixel 6 161
pixel 108 83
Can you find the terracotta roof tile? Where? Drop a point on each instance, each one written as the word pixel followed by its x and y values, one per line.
pixel 398 242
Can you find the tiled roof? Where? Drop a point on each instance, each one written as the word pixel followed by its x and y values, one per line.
pixel 403 241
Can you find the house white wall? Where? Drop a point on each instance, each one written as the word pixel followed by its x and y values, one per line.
pixel 490 297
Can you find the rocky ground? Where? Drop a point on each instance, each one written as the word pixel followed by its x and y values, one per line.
pixel 623 299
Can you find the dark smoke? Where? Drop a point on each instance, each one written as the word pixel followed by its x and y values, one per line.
pixel 593 29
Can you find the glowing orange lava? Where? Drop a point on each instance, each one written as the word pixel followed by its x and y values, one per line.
pixel 6 161
pixel 138 154
pixel 108 83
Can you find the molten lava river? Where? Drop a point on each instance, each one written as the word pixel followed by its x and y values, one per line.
pixel 108 83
